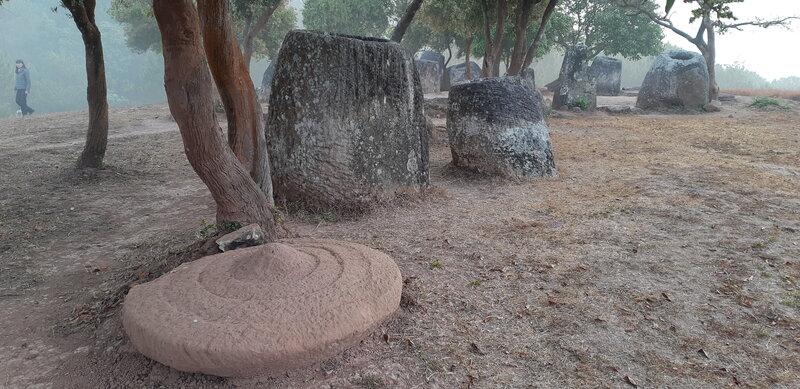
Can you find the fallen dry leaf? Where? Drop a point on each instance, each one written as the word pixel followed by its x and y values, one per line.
pixel 475 349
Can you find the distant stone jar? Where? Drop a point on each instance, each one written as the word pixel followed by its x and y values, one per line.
pixel 346 127
pixel 430 75
pixel 576 87
pixel 266 83
pixel 458 73
pixel 678 80
pixel 496 126
pixel 427 55
pixel 607 73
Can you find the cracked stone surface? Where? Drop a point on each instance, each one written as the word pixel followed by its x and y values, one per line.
pixel 346 126
pixel 677 80
pixel 496 126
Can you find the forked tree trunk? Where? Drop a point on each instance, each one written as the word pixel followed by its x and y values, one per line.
pixel 534 47
pixel 188 86
pixel 494 45
pixel 246 135
pixel 521 28
pixel 253 29
pixel 96 90
pixel 405 21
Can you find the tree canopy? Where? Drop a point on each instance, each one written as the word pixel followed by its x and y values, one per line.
pixel 605 27
pixel 354 17
pixel 142 34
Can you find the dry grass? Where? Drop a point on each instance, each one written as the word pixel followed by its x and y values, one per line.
pixel 775 93
pixel 665 253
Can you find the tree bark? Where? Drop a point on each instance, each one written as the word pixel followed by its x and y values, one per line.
pixel 534 47
pixel 467 58
pixel 96 90
pixel 711 60
pixel 188 85
pixel 405 21
pixel 253 29
pixel 246 135
pixel 494 45
pixel 523 20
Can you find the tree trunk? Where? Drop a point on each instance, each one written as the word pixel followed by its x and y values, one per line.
pixel 468 55
pixel 253 29
pixel 408 17
pixel 246 135
pixel 487 33
pixel 518 54
pixel 497 49
pixel 494 45
pixel 96 90
pixel 247 44
pixel 710 55
pixel 534 47
pixel 188 86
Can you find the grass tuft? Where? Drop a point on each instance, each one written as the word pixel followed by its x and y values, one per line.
pixel 767 103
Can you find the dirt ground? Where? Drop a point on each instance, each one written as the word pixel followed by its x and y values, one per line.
pixel 664 254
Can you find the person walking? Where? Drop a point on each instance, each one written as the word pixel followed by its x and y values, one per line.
pixel 23 86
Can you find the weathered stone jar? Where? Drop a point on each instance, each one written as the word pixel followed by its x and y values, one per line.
pixel 427 55
pixel 576 87
pixel 607 73
pixel 266 82
pixel 430 75
pixel 346 126
pixel 678 80
pixel 458 73
pixel 496 126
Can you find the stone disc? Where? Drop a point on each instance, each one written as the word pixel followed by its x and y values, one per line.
pixel 265 309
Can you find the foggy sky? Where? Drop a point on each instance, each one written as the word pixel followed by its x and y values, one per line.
pixel 772 53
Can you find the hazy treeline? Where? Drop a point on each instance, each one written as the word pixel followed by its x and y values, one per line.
pixel 51 46
pixel 547 67
pixel 734 76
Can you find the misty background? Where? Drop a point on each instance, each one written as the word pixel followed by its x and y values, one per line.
pixel 51 46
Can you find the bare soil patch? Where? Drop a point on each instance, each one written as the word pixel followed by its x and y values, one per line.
pixel 664 254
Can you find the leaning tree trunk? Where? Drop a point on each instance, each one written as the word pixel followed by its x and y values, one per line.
pixel 96 91
pixel 246 135
pixel 188 85
pixel 408 17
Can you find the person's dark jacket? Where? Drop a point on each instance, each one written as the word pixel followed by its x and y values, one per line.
pixel 23 81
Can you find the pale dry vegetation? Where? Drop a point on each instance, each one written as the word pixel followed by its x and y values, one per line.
pixel 774 93
pixel 664 254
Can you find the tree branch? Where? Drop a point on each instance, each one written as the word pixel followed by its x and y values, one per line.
pixel 663 21
pixel 408 17
pixel 784 22
pixel 252 32
pixel 263 19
